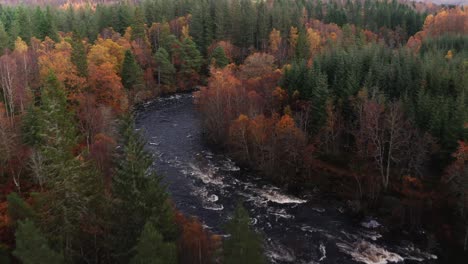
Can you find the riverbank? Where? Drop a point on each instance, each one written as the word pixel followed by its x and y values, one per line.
pixel 297 228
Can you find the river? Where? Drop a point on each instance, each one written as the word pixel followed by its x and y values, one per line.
pixel 296 229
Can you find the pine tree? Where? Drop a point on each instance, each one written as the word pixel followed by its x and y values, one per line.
pixel 302 48
pixel 78 56
pixel 191 57
pixel 32 247
pixel 72 185
pixel 151 248
pixel 123 19
pixel 138 26
pixel 18 209
pixel 202 24
pixel 24 24
pixel 139 195
pixel 244 245
pixel 219 57
pixel 4 39
pixel 132 74
pixel 45 24
pixel 165 69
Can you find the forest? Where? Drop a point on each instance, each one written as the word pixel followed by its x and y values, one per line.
pixel 365 99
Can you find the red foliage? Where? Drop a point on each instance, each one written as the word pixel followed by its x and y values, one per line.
pixel 195 245
pixel 106 85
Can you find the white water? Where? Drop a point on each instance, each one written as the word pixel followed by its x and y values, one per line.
pixel 369 253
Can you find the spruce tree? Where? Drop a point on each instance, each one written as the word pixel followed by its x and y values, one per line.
pixel 32 247
pixel 4 39
pixel 219 57
pixel 139 194
pixel 71 184
pixel 132 74
pixel 18 209
pixel 191 57
pixel 165 69
pixel 151 248
pixel 243 245
pixel 138 25
pixel 78 56
pixel 302 51
pixel 24 24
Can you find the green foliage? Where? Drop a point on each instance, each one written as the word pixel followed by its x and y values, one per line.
pixel 4 39
pixel 31 126
pixel 45 24
pixel 132 74
pixel 191 59
pixel 32 247
pixel 432 86
pixel 219 57
pixel 138 25
pixel 72 186
pixel 165 69
pixel 243 245
pixel 302 51
pixel 139 195
pixel 78 56
pixel 4 254
pixel 151 248
pixel 18 209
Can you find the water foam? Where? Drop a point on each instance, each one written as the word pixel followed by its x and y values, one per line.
pixel 275 196
pixel 369 253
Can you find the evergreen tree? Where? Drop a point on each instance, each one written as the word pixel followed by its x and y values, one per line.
pixel 165 69
pixel 202 24
pixel 138 25
pixel 123 19
pixel 191 57
pixel 219 57
pixel 302 51
pixel 32 247
pixel 45 24
pixel 72 185
pixel 151 248
pixel 24 24
pixel 132 74
pixel 244 245
pixel 18 209
pixel 30 126
pixel 78 56
pixel 139 195
pixel 4 39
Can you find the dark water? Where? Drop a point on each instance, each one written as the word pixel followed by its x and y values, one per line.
pixel 296 229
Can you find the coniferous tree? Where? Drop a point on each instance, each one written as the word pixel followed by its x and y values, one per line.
pixel 219 57
pixel 138 25
pixel 132 74
pixel 24 24
pixel 79 56
pixel 191 57
pixel 202 25
pixel 302 51
pixel 243 245
pixel 139 195
pixel 165 69
pixel 32 247
pixel 4 39
pixel 151 248
pixel 72 185
pixel 18 209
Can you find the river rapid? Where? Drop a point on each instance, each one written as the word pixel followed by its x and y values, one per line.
pixel 303 229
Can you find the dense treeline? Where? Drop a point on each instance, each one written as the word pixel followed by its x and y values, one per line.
pixel 339 107
pixel 332 92
pixel 76 182
pixel 246 23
